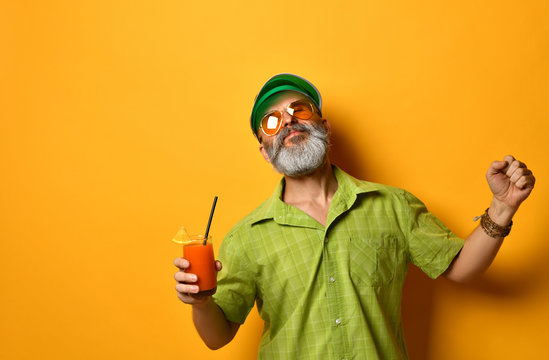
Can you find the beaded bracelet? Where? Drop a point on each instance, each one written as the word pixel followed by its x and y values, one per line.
pixel 491 228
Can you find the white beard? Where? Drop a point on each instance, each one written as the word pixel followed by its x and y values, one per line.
pixel 305 156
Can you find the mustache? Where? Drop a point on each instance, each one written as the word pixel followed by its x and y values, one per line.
pixel 287 130
pixel 313 130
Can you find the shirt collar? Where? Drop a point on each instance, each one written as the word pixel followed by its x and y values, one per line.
pixel 347 191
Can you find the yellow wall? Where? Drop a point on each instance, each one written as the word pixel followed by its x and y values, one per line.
pixel 120 120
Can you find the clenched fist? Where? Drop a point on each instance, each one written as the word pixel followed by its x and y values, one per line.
pixel 510 181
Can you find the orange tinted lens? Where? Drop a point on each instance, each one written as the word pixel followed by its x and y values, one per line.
pixel 270 124
pixel 301 110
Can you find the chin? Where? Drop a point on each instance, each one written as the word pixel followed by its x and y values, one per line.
pixel 303 172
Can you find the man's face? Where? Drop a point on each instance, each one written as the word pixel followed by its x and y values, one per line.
pixel 301 146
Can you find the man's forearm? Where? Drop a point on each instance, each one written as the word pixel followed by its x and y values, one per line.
pixel 479 249
pixel 212 326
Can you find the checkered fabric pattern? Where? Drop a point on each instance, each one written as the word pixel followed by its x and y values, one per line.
pixel 334 291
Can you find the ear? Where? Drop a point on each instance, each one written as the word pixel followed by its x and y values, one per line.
pixel 264 153
pixel 327 126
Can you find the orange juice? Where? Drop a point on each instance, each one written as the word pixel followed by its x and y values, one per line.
pixel 202 264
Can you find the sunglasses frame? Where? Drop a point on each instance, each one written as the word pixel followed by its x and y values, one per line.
pixel 279 126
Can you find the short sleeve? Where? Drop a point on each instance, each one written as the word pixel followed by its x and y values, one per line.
pixel 236 290
pixel 431 245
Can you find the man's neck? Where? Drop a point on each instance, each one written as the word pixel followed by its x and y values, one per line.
pixel 318 187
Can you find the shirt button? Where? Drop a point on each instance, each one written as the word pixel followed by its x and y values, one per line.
pixel 332 279
pixel 338 321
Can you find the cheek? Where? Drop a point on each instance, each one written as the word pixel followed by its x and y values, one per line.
pixel 265 155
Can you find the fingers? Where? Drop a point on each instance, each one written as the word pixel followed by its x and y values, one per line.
pixel 182 276
pixel 501 166
pixel 519 174
pixel 186 288
pixel 188 293
pixel 189 298
pixel 514 165
pixel 523 179
pixel 181 263
pixel 507 166
pixel 526 182
pixel 509 159
pixel 184 283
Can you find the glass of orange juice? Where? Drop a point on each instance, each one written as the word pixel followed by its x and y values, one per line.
pixel 202 263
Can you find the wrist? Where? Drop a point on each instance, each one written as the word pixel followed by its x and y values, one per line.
pixel 501 213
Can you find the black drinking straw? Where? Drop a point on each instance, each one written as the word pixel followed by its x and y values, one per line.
pixel 209 221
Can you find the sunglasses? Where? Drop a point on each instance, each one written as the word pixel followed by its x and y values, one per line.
pixel 271 123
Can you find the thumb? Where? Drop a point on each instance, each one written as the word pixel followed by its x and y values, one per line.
pixel 498 166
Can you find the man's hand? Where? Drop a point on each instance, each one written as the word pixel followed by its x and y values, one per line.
pixel 209 320
pixel 511 182
pixel 186 291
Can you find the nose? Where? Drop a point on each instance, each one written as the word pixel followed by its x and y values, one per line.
pixel 287 119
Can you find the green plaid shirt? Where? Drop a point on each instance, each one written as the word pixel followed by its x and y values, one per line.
pixel 331 292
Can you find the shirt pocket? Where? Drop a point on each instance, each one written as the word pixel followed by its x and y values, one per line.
pixel 372 261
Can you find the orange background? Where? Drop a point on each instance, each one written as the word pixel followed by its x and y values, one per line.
pixel 120 120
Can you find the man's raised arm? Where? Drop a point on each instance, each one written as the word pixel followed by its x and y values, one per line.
pixel 511 182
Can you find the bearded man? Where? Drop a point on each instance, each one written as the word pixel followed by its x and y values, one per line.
pixel 325 257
